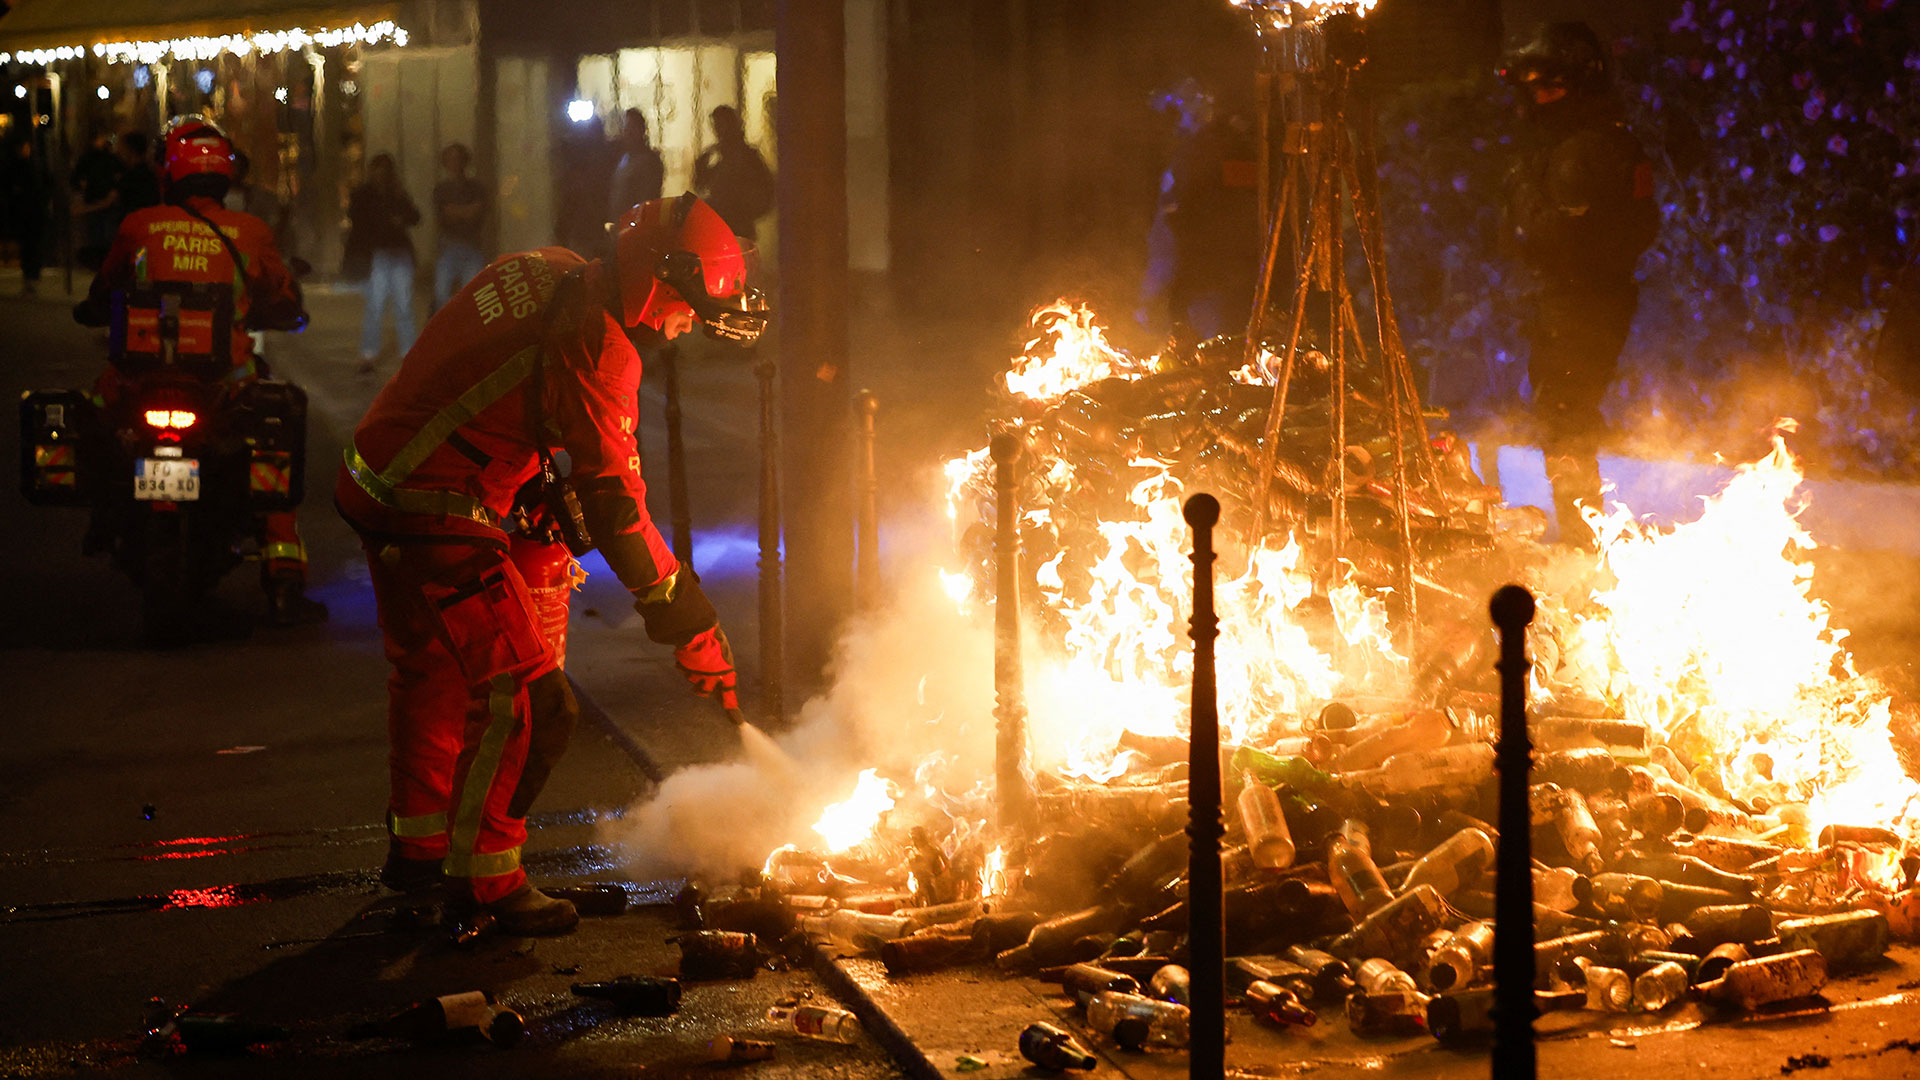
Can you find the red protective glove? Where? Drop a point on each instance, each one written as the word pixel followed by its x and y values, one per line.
pixel 707 662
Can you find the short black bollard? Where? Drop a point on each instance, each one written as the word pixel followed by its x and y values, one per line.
pixel 1514 1010
pixel 1206 920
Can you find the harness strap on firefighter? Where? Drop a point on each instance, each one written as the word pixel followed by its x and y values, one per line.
pixel 413 500
pixel 383 485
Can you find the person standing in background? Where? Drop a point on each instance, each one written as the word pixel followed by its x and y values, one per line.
pixel 25 206
pixel 247 197
pixel 732 175
pixel 460 209
pixel 138 186
pixel 641 174
pixel 1579 213
pixel 380 249
pixel 250 198
pixel 93 180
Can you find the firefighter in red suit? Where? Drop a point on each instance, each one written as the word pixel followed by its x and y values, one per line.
pixel 176 242
pixel 450 484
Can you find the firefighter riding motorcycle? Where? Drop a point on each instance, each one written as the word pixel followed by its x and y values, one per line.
pixel 188 458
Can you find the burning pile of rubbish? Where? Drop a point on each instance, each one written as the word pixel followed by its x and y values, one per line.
pixel 1723 809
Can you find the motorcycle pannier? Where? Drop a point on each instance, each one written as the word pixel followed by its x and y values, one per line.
pixel 52 423
pixel 271 417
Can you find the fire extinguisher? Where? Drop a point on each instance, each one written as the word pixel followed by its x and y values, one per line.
pixel 551 573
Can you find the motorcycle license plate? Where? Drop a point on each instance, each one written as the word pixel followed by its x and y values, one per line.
pixel 167 479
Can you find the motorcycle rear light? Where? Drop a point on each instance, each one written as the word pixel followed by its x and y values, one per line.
pixel 171 418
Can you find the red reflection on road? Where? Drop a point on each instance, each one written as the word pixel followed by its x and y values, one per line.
pixel 191 854
pixel 214 897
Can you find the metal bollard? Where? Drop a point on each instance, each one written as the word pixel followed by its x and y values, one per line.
pixel 772 638
pixel 1513 951
pixel 1009 684
pixel 867 569
pixel 676 458
pixel 1206 916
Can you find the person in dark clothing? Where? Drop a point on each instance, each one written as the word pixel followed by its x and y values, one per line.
pixel 586 159
pixel 250 198
pixel 640 175
pixel 460 210
pixel 26 210
pixel 139 184
pixel 733 176
pixel 380 249
pixel 1580 213
pixel 94 178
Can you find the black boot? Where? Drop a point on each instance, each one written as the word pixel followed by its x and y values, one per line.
pixel 405 875
pixel 289 605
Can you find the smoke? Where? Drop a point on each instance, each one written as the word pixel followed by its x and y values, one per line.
pixel 911 694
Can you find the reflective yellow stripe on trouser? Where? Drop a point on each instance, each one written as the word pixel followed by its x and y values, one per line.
pixel 462 860
pixel 418 827
pixel 291 552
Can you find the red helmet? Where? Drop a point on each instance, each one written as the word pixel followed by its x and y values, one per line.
pixel 195 145
pixel 678 255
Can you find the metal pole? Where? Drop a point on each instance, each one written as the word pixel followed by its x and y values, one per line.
pixel 772 625
pixel 1206 919
pixel 810 45
pixel 676 459
pixel 1513 1054
pixel 867 564
pixel 1009 683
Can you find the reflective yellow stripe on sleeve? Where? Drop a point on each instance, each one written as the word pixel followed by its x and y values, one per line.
pixel 660 592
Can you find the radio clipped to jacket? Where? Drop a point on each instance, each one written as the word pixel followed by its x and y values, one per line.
pixel 563 506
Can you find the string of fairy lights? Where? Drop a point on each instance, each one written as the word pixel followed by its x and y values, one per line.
pixel 1283 14
pixel 197 47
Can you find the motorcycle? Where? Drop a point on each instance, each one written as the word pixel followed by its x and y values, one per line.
pixel 176 465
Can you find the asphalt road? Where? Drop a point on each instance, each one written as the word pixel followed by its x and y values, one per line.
pixel 202 824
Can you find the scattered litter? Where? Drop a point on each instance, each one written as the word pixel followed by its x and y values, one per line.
pixel 718 954
pixel 239 750
pixel 471 1016
pixel 1806 1061
pixel 968 1063
pixel 635 995
pixel 570 969
pixel 148 811
pixel 1055 1049
pixel 593 897
pixel 822 1022
pixel 1623 1044
pixel 732 1049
